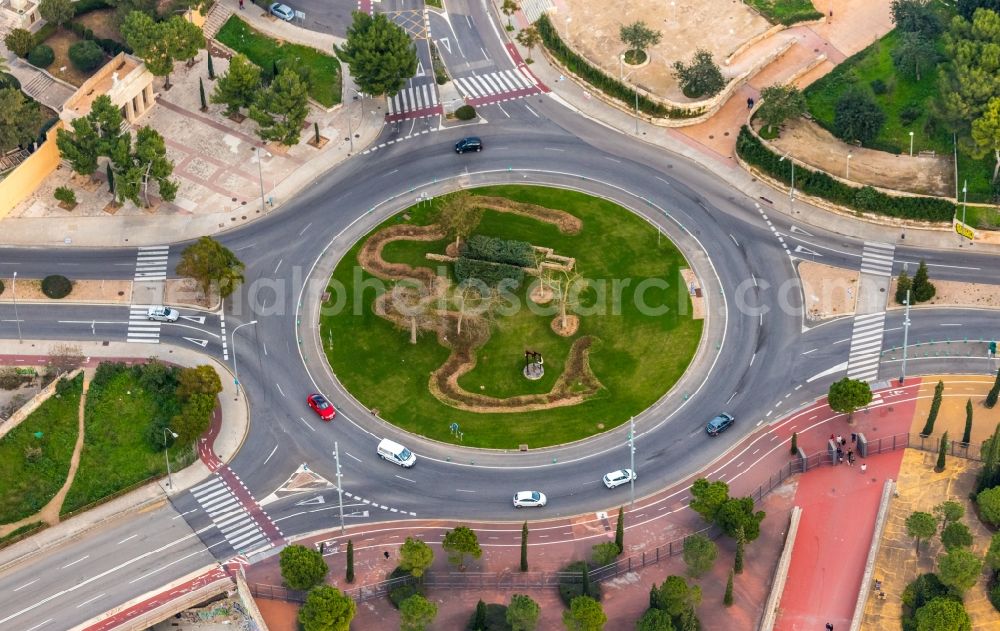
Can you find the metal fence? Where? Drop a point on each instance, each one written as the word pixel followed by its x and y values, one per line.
pixel 511 580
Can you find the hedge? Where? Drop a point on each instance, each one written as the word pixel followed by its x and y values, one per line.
pixel 44 32
pixel 56 286
pixel 489 273
pixel 597 78
pixel 465 113
pixel 483 248
pixel 110 46
pixel 820 184
pixel 81 7
pixel 86 55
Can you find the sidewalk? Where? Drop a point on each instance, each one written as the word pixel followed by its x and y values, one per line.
pixel 718 159
pixel 220 445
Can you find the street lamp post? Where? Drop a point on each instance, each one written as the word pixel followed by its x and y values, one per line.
pixel 965 197
pixel 236 372
pixel 260 175
pixel 170 483
pixel 631 449
pixel 848 176
pixel 911 144
pixel 791 191
pixel 340 486
pixel 17 320
pixel 906 336
pixel 636 111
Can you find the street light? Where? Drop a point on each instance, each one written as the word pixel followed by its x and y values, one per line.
pixel 911 144
pixel 170 484
pixel 236 372
pixel 17 320
pixel 906 336
pixel 631 449
pixel 965 197
pixel 791 191
pixel 849 156
pixel 260 175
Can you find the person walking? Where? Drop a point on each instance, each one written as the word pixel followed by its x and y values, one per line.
pixel 840 439
pixel 840 454
pixel 829 626
pixel 864 467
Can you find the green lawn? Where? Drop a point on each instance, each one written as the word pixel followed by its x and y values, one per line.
pixel 324 69
pixel 786 11
pixel 28 479
pixel 907 106
pixel 636 357
pixel 120 414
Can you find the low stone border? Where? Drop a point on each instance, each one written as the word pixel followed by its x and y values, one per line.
pixel 34 403
pixel 781 573
pixel 888 492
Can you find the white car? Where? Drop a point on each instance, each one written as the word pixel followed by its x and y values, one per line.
pixel 162 314
pixel 529 498
pixel 282 11
pixel 618 478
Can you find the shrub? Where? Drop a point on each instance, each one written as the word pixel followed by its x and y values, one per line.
pixel 401 592
pixel 492 274
pixel 878 86
pixel 302 567
pixel 81 7
pixel 507 251
pixel 9 81
pixel 910 113
pixel 603 82
pixel 65 195
pixel 20 42
pixel 571 583
pixel 86 55
pixel 820 184
pixel 988 502
pixel 857 117
pixel 41 56
pixel 465 113
pixel 56 286
pixel 42 34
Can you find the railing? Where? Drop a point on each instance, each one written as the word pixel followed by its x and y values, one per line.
pixel 512 580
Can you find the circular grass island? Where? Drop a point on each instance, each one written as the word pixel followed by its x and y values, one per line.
pixel 438 317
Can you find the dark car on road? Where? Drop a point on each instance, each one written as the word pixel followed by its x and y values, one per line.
pixel 468 144
pixel 719 424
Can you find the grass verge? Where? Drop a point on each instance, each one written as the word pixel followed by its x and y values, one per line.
pixel 20 533
pixel 636 357
pixel 33 469
pixel 324 70
pixel 786 11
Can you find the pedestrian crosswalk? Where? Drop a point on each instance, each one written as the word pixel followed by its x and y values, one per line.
pixel 866 346
pixel 151 263
pixel 419 98
pixel 497 86
pixel 230 515
pixel 876 258
pixel 141 329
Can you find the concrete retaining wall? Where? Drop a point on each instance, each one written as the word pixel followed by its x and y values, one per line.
pixel 34 403
pixel 781 573
pixel 888 492
pixel 251 605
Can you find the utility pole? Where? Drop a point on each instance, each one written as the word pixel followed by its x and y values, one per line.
pixel 260 175
pixel 791 191
pixel 13 288
pixel 631 449
pixel 906 335
pixel 340 486
pixel 636 111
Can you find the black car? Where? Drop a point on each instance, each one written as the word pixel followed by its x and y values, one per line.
pixel 468 144
pixel 719 424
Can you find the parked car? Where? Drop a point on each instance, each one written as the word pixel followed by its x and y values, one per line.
pixel 618 478
pixel 321 406
pixel 471 143
pixel 719 424
pixel 282 11
pixel 162 314
pixel 529 498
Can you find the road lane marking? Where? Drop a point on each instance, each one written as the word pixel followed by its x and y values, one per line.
pixel 270 454
pixel 279 389
pixel 303 231
pixel 348 454
pixel 128 539
pixel 83 558
pixel 731 237
pixel 465 491
pixel 407 479
pixel 39 625
pixel 278 265
pixel 87 602
pixel 307 424
pixel 17 589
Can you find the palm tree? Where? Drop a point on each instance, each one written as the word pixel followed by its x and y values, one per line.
pixel 529 37
pixel 509 8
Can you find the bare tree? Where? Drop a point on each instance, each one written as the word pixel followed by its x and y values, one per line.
pixel 63 358
pixel 566 286
pixel 458 215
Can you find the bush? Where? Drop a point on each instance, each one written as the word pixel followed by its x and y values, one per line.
pixel 496 619
pixel 465 113
pixel 910 113
pixel 507 251
pixel 41 56
pixel 56 286
pixel 401 592
pixel 492 274
pixel 1 287
pixel 994 593
pixel 20 42
pixel 857 117
pixel 988 502
pixel 820 184
pixel 605 83
pixel 918 593
pixel 81 7
pixel 48 29
pixel 65 195
pixel 302 567
pixel 878 86
pixel 86 55
pixel 571 583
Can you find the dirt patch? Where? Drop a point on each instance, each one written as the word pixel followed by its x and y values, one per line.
pixel 697 300
pixel 370 256
pixel 62 68
pixel 101 22
pixel 591 28
pixel 828 291
pixel 541 293
pixel 566 327
pixel 953 293
pixel 565 222
pixel 187 292
pixel 84 291
pixel 813 145
pixel 951 416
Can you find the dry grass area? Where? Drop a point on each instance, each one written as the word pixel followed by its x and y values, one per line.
pixel 952 293
pixel 186 292
pixel 102 23
pixel 951 416
pixel 697 300
pixel 62 68
pixel 828 291
pixel 85 291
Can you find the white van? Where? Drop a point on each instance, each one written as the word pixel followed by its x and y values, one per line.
pixel 396 453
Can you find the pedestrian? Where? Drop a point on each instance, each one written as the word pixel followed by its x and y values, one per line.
pixel 829 626
pixel 241 5
pixel 386 553
pixel 840 439
pixel 749 103
pixel 864 467
pixel 850 458
pixel 854 438
pixel 831 436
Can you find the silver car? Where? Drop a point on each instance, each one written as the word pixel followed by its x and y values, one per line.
pixel 282 11
pixel 529 498
pixel 162 314
pixel 618 478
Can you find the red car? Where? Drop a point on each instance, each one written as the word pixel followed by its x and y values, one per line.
pixel 321 406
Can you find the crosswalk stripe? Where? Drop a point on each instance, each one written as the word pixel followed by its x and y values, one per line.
pixel 240 529
pixel 218 504
pixel 216 492
pixel 492 84
pixel 517 79
pixel 245 545
pixel 199 489
pixel 245 538
pixel 466 87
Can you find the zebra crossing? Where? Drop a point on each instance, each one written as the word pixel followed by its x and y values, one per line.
pixel 866 346
pixel 230 515
pixel 418 99
pixel 493 87
pixel 151 263
pixel 142 330
pixel 876 258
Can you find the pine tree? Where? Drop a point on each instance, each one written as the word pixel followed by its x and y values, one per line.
pixel 585 591
pixel 795 443
pixel 903 285
pixel 316 133
pixel 738 561
pixel 942 447
pixel 280 110
pixel 935 407
pixel 524 547
pixel 211 67
pixel 620 530
pixel 111 178
pixel 727 600
pixel 991 397
pixel 201 93
pixel 990 453
pixel 923 289
pixel 479 621
pixel 967 435
pixel 350 561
